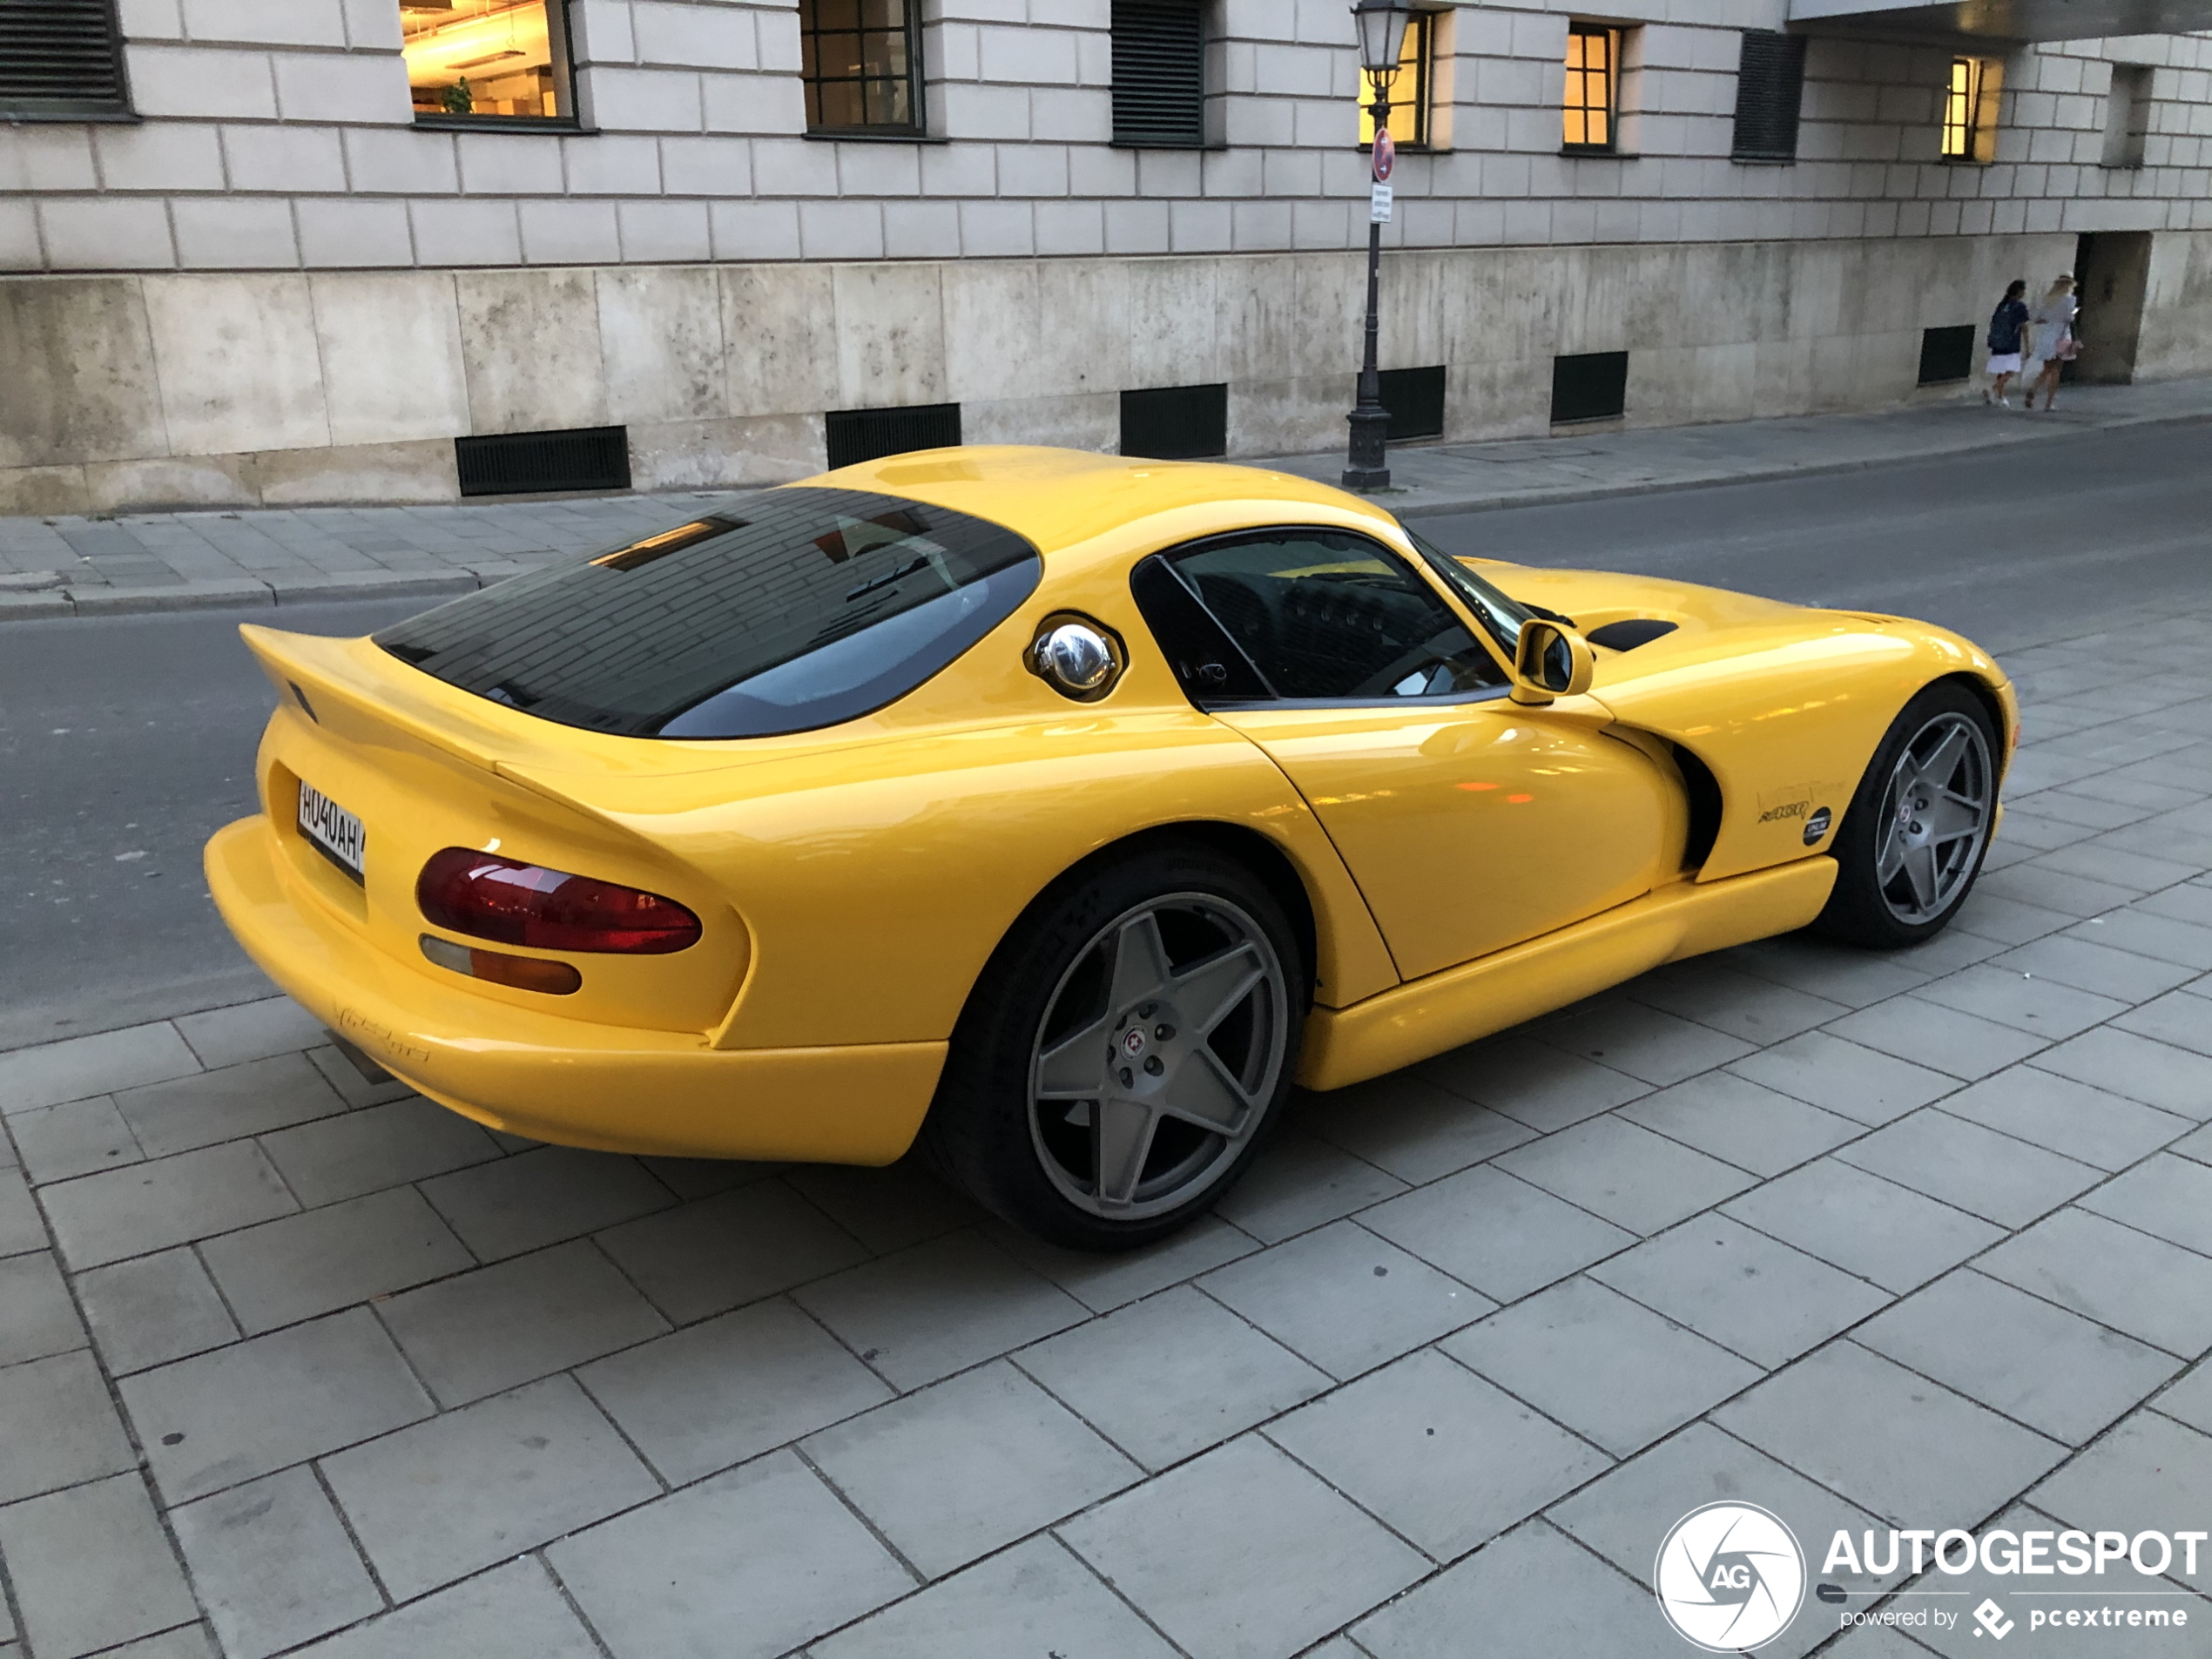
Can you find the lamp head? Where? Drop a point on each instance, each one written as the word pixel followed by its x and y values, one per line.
pixel 1382 35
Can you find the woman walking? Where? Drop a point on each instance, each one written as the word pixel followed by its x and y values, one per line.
pixel 2007 324
pixel 2051 326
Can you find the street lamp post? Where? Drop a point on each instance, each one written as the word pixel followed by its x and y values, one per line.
pixel 1382 39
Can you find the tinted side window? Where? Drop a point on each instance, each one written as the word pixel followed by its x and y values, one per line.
pixel 1324 615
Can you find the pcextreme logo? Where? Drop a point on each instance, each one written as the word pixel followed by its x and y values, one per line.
pixel 1729 1577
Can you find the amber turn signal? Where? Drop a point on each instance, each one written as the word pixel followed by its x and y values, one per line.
pixel 523 972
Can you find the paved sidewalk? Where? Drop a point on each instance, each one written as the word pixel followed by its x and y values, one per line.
pixel 68 566
pixel 291 1360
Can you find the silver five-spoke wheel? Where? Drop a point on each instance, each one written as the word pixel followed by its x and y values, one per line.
pixel 1159 1051
pixel 1934 818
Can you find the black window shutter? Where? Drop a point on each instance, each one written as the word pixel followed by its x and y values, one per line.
pixel 1159 73
pixel 60 59
pixel 1769 87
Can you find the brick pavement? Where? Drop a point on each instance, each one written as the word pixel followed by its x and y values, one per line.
pixel 67 566
pixel 292 1360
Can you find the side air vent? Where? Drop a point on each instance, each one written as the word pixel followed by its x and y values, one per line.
pixel 1176 422
pixel 61 60
pixel 856 435
pixel 543 463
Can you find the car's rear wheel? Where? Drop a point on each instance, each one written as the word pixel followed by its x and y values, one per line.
pixel 1912 842
pixel 1124 1050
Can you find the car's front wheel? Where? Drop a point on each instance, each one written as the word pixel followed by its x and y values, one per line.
pixel 1124 1049
pixel 1913 839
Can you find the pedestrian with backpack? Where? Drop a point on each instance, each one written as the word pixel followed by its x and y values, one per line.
pixel 2006 325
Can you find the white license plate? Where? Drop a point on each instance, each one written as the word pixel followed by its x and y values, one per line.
pixel 333 831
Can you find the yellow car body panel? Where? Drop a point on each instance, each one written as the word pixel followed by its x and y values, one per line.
pixel 1463 867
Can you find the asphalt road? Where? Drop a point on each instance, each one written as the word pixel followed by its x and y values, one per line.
pixel 123 744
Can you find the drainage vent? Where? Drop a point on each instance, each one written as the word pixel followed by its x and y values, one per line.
pixel 856 435
pixel 541 463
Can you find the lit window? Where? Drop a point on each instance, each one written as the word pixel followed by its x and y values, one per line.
pixel 1970 110
pixel 1593 88
pixel 487 58
pixel 1409 93
pixel 862 60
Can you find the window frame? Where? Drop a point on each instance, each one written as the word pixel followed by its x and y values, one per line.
pixel 561 36
pixel 1420 30
pixel 1614 37
pixel 117 110
pixel 1413 567
pixel 916 128
pixel 1977 128
pixel 2127 116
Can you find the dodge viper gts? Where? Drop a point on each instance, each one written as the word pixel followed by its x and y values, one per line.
pixel 1062 812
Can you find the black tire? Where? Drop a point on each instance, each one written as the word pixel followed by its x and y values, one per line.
pixel 1023 1157
pixel 1864 910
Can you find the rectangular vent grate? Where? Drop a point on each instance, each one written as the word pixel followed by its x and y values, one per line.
pixel 60 59
pixel 1176 422
pixel 1948 354
pixel 1591 385
pixel 1159 73
pixel 1769 90
pixel 869 435
pixel 539 463
pixel 1415 400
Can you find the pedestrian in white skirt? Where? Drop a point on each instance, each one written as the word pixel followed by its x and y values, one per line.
pixel 2006 325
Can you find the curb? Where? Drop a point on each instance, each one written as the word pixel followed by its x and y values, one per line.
pixel 41 605
pixel 61 601
pixel 1569 495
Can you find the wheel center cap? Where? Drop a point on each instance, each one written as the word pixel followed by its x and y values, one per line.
pixel 1133 1042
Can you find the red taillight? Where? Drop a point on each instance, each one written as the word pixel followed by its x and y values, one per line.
pixel 488 897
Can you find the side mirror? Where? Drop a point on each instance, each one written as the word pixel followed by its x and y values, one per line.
pixel 1552 662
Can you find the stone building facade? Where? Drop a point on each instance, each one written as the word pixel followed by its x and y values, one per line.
pixel 283 279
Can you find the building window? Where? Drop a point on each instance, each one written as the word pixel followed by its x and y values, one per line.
pixel 1409 93
pixel 1589 386
pixel 1176 422
pixel 61 60
pixel 1159 74
pixel 2127 116
pixel 861 60
pixel 1770 90
pixel 1592 89
pixel 1969 110
pixel 487 60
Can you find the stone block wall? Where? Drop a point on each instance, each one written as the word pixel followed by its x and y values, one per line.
pixel 279 135
pixel 242 388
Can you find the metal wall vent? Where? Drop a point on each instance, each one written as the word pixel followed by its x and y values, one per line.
pixel 60 60
pixel 1589 386
pixel 1947 354
pixel 1176 422
pixel 540 463
pixel 1770 93
pixel 869 435
pixel 1415 400
pixel 1159 73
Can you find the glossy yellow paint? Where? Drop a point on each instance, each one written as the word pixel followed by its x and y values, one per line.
pixel 853 882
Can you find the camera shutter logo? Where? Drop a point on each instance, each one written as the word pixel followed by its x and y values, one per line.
pixel 1730 1577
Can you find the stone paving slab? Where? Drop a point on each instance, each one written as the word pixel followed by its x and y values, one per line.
pixel 292 1361
pixel 135 562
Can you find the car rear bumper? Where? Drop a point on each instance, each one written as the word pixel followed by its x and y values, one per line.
pixel 612 1087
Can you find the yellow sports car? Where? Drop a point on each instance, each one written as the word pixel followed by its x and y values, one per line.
pixel 1063 810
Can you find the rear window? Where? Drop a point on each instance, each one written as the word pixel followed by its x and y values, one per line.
pixel 802 608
